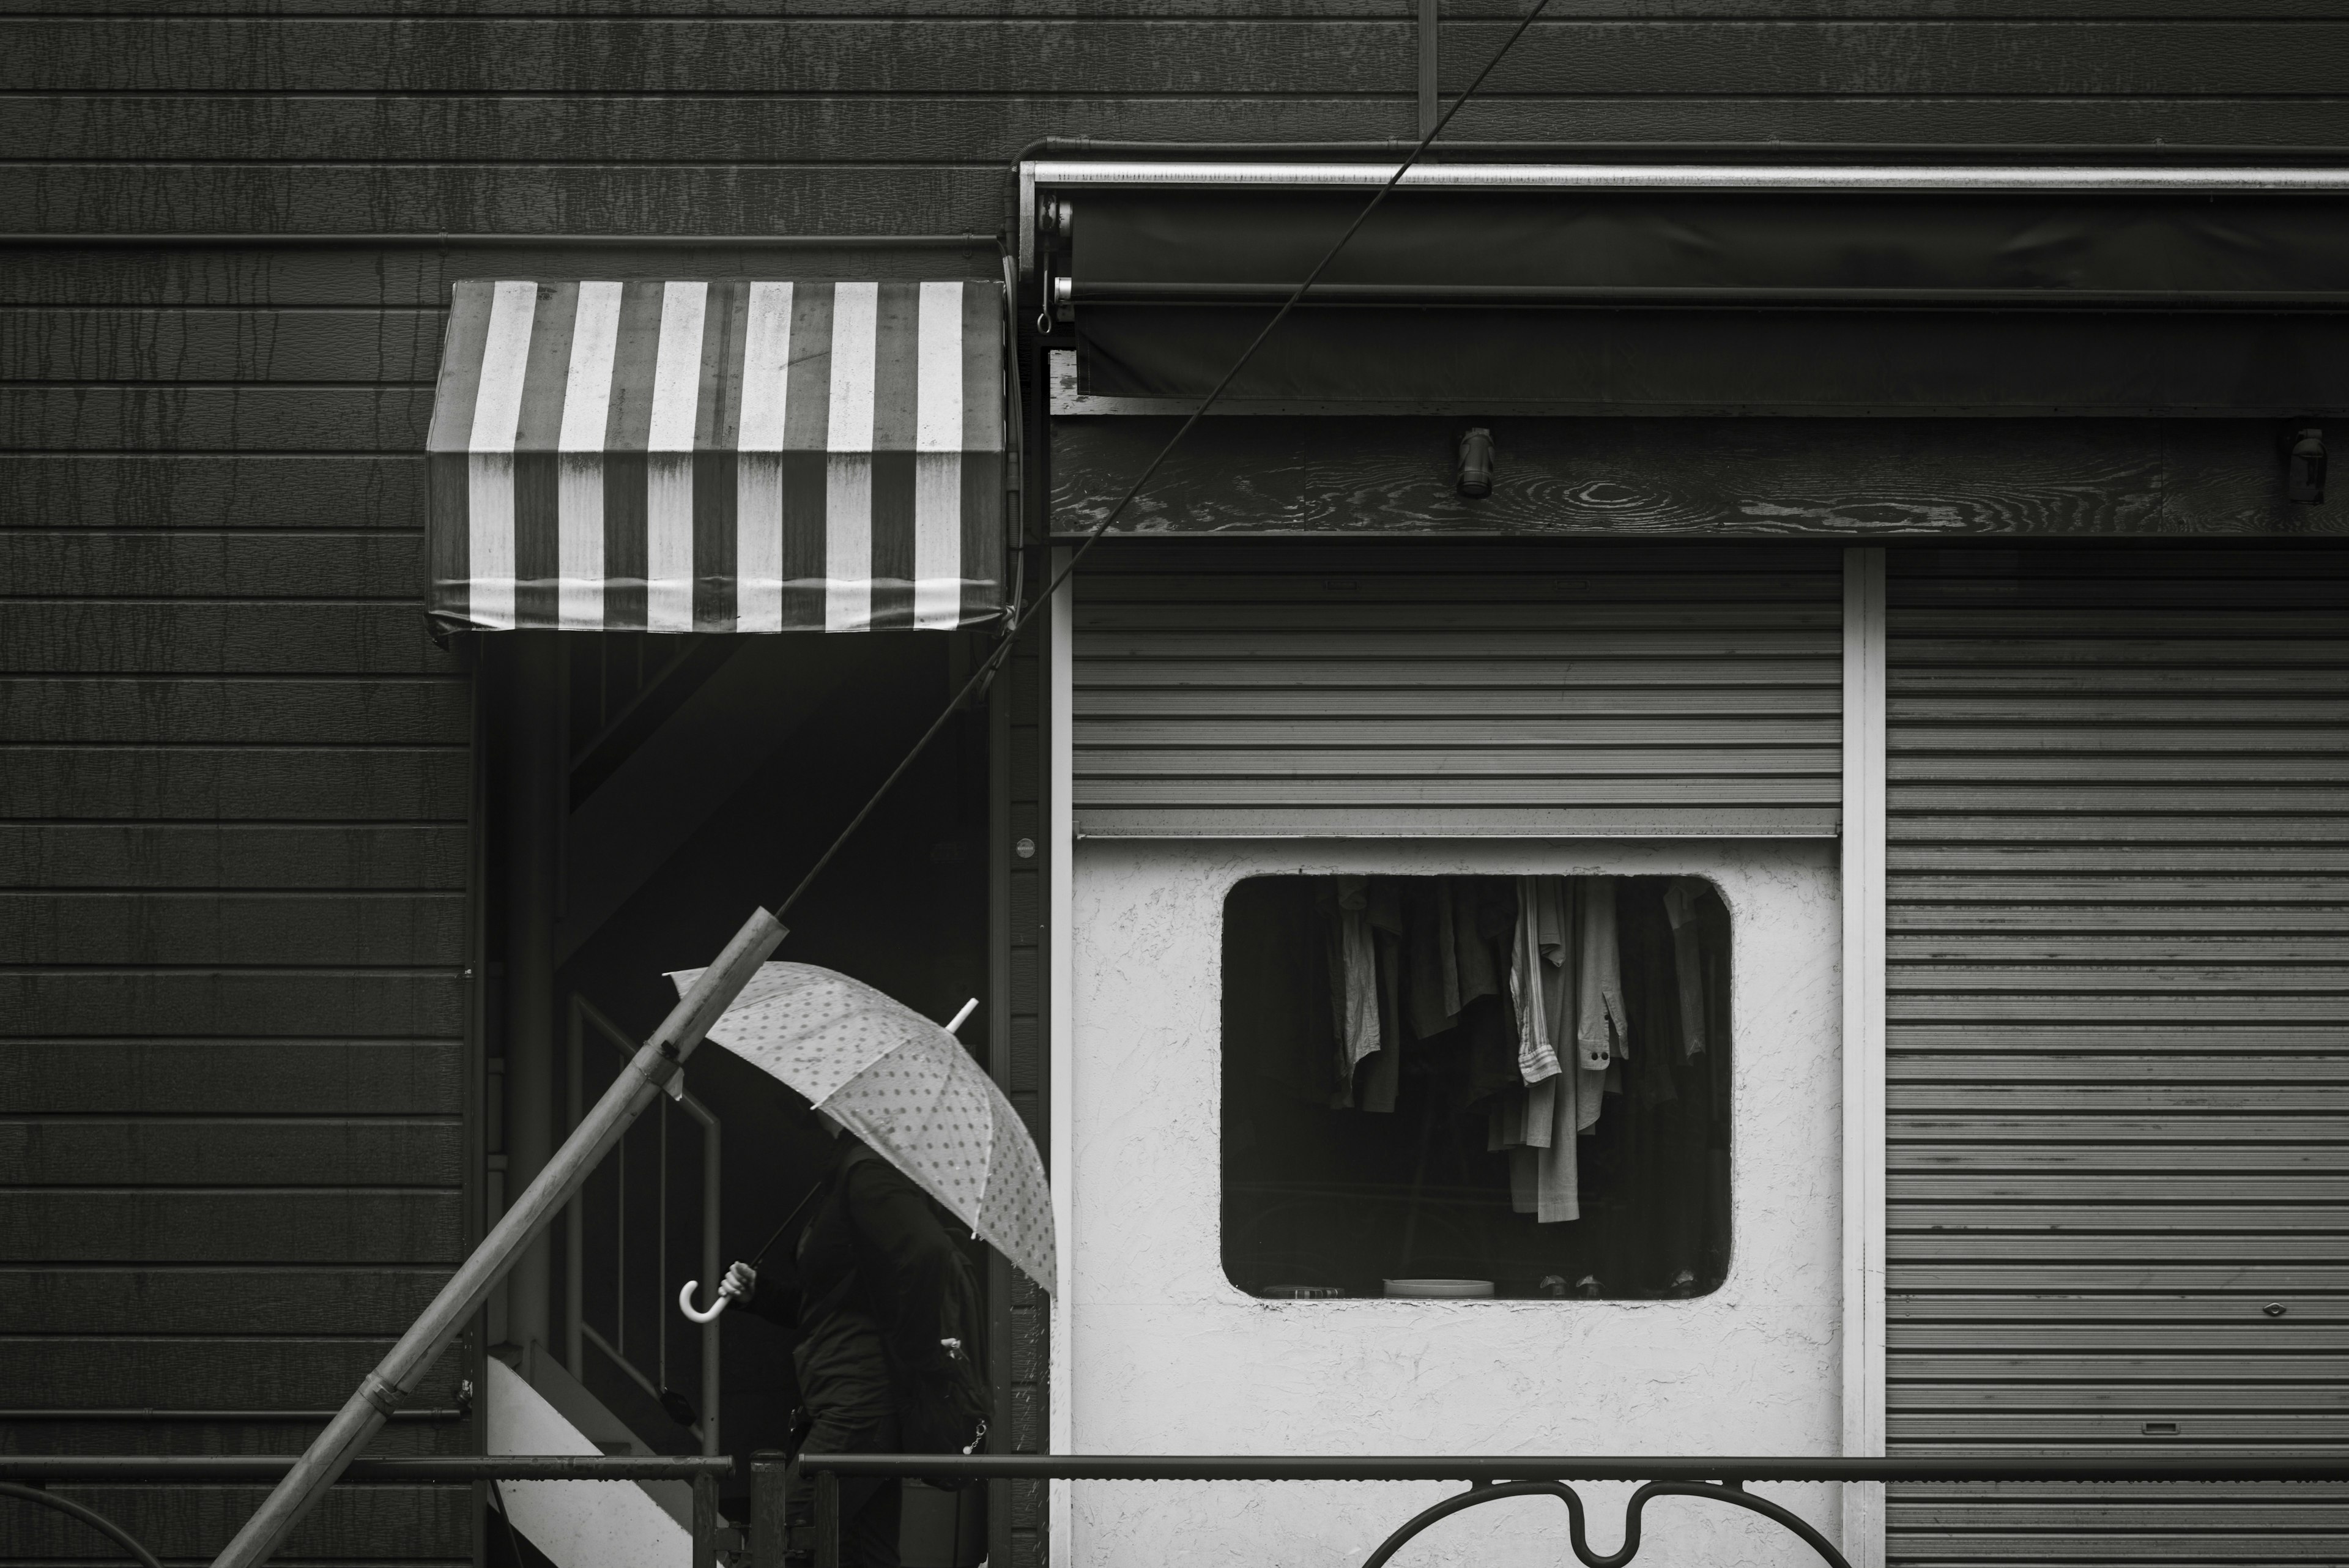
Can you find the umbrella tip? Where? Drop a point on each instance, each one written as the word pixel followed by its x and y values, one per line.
pixel 968 1009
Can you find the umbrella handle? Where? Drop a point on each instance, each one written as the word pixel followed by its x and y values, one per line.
pixel 685 1303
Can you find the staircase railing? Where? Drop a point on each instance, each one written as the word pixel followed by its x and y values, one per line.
pixel 638 1271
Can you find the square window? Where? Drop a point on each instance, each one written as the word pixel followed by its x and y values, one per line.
pixel 1514 1087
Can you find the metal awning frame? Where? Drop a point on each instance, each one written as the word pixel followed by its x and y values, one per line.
pixel 1856 178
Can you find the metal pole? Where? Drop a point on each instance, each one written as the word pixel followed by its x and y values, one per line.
pixel 827 1519
pixel 705 1521
pixel 539 800
pixel 399 1373
pixel 770 1520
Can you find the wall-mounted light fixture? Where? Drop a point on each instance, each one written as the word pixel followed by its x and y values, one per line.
pixel 2304 469
pixel 1475 476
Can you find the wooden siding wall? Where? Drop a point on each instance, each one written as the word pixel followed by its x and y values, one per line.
pixel 2119 941
pixel 235 791
pixel 234 797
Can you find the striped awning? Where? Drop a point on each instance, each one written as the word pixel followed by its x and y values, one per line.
pixel 734 456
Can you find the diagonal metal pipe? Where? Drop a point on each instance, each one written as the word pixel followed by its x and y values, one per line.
pixel 397 1376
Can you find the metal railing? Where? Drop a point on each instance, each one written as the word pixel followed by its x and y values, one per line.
pixel 1490 1480
pixel 27 1477
pixel 631 1273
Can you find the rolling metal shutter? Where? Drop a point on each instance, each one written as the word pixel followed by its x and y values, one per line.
pixel 1288 690
pixel 2119 1063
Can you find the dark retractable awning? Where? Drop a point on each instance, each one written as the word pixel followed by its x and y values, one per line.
pixel 727 456
pixel 1601 289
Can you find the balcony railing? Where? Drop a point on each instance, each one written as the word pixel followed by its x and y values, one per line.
pixel 1489 1479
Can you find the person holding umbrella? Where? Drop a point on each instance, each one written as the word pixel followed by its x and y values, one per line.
pixel 875 1268
pixel 884 1303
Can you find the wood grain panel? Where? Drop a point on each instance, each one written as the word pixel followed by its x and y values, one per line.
pixel 117 419
pixel 497 55
pixel 149 855
pixel 230 1076
pixel 1633 477
pixel 551 199
pixel 361 1521
pixel 180 563
pixel 186 929
pixel 198 711
pixel 250 638
pixel 119 1436
pixel 278 264
pixel 49 854
pixel 222 785
pixel 2253 57
pixel 625 128
pixel 183 1372
pixel 233 1226
pixel 206 492
pixel 1384 10
pixel 226 1152
pixel 294 1002
pixel 2036 58
pixel 231 345
pixel 199 1301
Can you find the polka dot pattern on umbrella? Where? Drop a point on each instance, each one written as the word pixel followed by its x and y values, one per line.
pixel 906 1086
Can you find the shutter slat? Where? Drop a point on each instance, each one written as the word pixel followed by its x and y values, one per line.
pixel 1354 692
pixel 2117 1108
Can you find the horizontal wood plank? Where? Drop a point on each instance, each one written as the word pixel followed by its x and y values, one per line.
pixel 625 128
pixel 205 493
pixel 280 784
pixel 127 855
pixel 215 1301
pixel 254 637
pixel 1634 477
pixel 396 930
pixel 232 1226
pixel 196 710
pixel 211 1075
pixel 210 345
pixel 234 1002
pixel 177 562
pixel 196 1521
pixel 1242 57
pixel 1382 10
pixel 116 419
pixel 278 1372
pixel 271 264
pixel 232 1152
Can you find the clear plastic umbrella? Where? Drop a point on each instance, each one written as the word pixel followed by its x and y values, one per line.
pixel 905 1085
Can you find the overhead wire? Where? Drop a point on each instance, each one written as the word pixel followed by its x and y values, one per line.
pixel 1021 615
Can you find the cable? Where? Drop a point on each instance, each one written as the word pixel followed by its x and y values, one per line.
pixel 1002 651
pixel 89 1516
pixel 513 1539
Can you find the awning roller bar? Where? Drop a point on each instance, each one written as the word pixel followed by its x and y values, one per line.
pixel 1858 177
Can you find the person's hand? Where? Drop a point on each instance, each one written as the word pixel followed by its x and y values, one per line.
pixel 741 1280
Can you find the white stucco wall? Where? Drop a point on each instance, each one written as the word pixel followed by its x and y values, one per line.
pixel 1159 1354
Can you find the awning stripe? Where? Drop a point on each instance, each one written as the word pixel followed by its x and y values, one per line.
pixel 741 455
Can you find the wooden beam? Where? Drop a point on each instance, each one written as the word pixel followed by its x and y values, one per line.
pixel 1749 478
